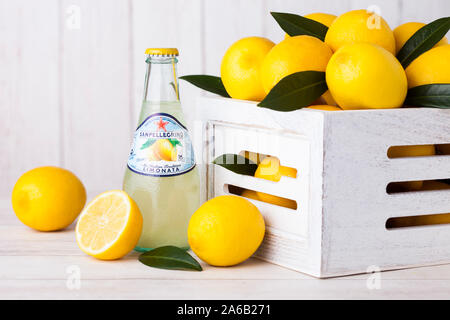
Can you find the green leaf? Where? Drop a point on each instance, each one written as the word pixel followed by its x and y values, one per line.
pixel 295 25
pixel 423 40
pixel 296 91
pixel 170 257
pixel 148 143
pixel 429 95
pixel 236 163
pixel 175 142
pixel 209 83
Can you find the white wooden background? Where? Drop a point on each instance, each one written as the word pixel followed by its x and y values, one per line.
pixel 70 96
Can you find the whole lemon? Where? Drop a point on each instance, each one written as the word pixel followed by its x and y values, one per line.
pixel 405 31
pixel 360 26
pixel 240 68
pixel 430 67
pixel 325 19
pixel 226 230
pixel 366 76
pixel 294 54
pixel 48 198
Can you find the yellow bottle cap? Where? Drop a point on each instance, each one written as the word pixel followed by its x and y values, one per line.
pixel 162 51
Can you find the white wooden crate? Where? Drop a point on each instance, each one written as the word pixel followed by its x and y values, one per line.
pixel 339 227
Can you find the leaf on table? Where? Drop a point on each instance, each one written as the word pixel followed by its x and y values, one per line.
pixel 170 257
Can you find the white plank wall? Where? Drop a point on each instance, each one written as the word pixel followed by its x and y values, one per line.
pixel 96 86
pixel 71 96
pixel 30 126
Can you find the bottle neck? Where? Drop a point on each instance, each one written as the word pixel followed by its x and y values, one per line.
pixel 161 80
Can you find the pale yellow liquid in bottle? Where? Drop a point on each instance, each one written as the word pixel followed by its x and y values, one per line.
pixel 166 203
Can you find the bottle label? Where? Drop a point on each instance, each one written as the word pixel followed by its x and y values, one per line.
pixel 161 147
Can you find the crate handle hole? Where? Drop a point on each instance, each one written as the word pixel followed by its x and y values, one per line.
pixel 417 221
pixel 260 196
pixel 273 170
pixel 418 185
pixel 424 150
pixel 443 149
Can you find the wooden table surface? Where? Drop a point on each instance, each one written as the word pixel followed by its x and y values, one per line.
pixel 36 265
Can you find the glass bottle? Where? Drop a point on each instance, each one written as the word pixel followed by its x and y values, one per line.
pixel 161 174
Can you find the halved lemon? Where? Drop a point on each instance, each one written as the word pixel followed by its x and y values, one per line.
pixel 110 226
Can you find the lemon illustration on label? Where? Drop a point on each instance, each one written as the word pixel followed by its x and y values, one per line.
pixel 161 147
